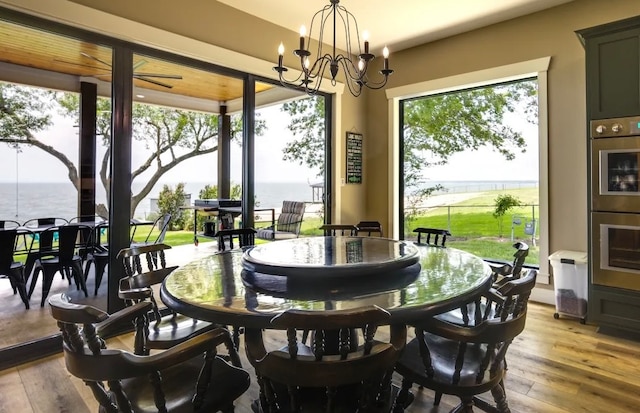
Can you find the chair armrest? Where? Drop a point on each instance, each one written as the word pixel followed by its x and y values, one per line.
pixel 135 294
pixel 453 331
pixel 128 314
pixel 181 352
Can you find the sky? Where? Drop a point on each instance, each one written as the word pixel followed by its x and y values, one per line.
pixel 34 165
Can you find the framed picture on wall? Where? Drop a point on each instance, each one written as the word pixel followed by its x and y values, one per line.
pixel 354 158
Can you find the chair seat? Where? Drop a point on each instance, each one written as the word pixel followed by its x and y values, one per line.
pixel 173 330
pixel 271 234
pixel 444 355
pixel 229 381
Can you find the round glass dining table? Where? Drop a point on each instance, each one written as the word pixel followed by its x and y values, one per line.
pixel 249 287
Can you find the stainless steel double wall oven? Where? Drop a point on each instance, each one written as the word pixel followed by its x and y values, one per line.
pixel 615 202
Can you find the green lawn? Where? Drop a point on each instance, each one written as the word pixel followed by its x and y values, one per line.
pixel 471 222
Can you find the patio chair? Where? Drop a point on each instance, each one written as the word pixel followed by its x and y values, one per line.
pixel 9 224
pixel 11 269
pixel 162 223
pixel 288 224
pixel 72 239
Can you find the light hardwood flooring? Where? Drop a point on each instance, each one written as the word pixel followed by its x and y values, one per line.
pixel 555 366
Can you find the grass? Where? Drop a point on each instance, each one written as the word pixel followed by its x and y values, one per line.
pixel 476 230
pixel 471 222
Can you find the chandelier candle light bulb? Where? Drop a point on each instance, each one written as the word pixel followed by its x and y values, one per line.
pixel 303 33
pixel 356 73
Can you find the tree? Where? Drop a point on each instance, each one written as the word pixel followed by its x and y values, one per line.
pixel 307 122
pixel 171 135
pixel 503 204
pixel 169 202
pixel 435 128
pixel 438 126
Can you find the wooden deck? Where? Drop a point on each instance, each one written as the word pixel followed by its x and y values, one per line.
pixel 555 366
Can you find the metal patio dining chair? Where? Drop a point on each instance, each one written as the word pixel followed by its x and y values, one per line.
pixel 66 259
pixel 11 269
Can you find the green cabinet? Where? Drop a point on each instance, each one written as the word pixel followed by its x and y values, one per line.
pixel 613 69
pixel 612 58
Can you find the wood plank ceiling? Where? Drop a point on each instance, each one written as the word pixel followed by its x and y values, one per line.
pixel 26 46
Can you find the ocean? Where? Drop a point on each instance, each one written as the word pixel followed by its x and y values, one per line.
pixel 59 199
pixel 35 200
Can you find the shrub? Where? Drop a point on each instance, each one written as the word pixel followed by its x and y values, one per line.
pixel 503 203
pixel 169 202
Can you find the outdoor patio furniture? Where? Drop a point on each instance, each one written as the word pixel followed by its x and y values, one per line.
pixel 161 223
pixel 14 270
pixel 288 224
pixel 71 239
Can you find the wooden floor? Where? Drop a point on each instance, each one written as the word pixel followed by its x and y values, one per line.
pixel 555 366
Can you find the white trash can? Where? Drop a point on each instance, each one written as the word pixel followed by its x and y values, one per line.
pixel 570 283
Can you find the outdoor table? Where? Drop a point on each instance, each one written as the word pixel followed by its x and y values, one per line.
pixel 248 288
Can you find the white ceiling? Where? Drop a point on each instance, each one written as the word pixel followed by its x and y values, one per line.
pixel 399 24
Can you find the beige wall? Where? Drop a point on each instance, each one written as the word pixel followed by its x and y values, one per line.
pixel 547 33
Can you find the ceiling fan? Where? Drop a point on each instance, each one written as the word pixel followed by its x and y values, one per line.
pixel 145 77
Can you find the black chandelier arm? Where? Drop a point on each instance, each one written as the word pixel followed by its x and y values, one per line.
pixel 350 68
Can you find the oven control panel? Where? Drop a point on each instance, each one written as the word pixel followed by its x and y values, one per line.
pixel 608 128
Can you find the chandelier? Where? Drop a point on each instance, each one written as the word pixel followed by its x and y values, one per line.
pixel 356 73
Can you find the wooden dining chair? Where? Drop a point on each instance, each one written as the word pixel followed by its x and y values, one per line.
pixel 369 228
pixel 504 272
pixel 145 267
pixel 467 360
pixel 244 237
pixel 189 377
pixel 432 236
pixel 300 378
pixel 339 229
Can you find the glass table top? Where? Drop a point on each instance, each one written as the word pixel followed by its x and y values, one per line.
pixel 219 288
pixel 330 256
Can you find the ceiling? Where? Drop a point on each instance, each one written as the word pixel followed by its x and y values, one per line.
pixel 39 58
pixel 400 24
pixel 44 59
